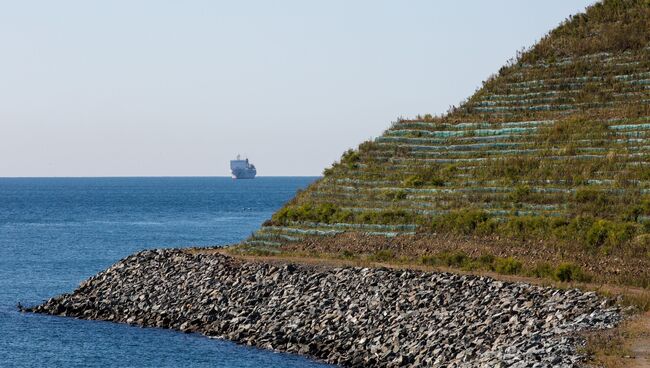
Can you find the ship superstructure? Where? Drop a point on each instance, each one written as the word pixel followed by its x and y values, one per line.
pixel 242 169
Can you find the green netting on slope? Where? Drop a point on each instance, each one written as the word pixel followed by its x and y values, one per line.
pixel 460 133
pixel 511 129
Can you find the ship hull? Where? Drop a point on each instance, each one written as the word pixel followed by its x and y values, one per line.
pixel 243 175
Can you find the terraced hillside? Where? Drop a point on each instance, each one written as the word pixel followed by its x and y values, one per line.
pixel 551 156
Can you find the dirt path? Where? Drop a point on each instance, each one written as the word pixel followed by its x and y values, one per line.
pixel 640 344
pixel 325 260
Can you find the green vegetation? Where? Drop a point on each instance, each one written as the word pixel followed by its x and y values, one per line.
pixel 394 195
pixel 542 270
pixel 383 255
pixel 594 234
pixel 431 176
pixel 350 159
pixel 466 222
pixel 603 233
pixel 454 259
pixel 326 213
pixel 607 26
pixel 550 152
pixel 565 272
pixel 508 266
pixel 329 213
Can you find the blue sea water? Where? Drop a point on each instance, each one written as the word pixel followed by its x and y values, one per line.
pixel 54 233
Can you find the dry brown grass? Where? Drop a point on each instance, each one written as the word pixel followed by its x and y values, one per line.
pixel 628 345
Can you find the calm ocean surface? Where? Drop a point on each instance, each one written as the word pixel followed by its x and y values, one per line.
pixel 54 233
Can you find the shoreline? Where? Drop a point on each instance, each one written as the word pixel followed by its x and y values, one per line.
pixel 350 316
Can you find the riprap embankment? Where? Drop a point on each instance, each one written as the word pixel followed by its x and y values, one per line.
pixel 349 316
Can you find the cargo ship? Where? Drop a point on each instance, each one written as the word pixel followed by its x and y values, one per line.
pixel 242 169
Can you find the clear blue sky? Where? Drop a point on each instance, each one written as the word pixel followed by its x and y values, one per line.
pixel 111 88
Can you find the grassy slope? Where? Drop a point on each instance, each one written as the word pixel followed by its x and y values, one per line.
pixel 551 153
pixel 566 199
pixel 570 199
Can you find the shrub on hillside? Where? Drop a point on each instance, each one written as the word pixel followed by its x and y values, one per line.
pixel 431 176
pixel 568 272
pixel 632 213
pixel 606 234
pixel 429 260
pixel 525 226
pixel 591 196
pixel 542 270
pixel 487 260
pixel 462 221
pixel 393 216
pixel 351 159
pixel 413 181
pixel 325 213
pixel 384 255
pixel 521 194
pixel 508 266
pixel 328 171
pixel 394 195
pixel 454 259
pixel 419 180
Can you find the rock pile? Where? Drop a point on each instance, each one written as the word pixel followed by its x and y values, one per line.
pixel 354 317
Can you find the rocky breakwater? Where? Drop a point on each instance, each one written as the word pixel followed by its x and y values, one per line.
pixel 348 316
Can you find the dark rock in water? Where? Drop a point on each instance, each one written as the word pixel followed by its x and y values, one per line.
pixel 354 317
